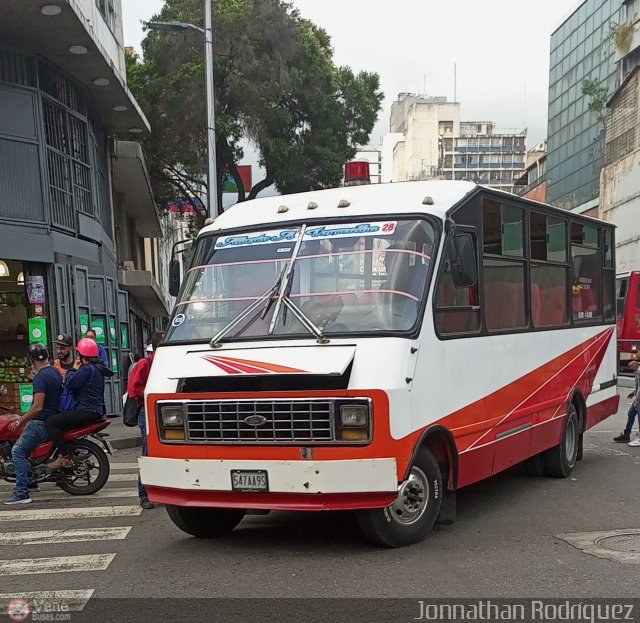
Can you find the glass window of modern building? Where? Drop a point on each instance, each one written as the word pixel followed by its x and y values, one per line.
pixel 581 49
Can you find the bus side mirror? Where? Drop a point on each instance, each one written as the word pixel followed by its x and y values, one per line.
pixel 174 277
pixel 464 268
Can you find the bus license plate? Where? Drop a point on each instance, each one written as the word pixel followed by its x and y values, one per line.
pixel 249 480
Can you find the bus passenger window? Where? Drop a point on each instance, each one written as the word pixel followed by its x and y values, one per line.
pixel 586 285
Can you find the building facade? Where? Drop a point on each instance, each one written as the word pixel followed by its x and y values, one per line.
pixel 581 49
pixel 620 180
pixel 533 183
pixel 483 155
pixel 422 122
pixel 76 196
pixel 372 155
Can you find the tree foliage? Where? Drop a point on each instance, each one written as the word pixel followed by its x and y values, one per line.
pixel 597 95
pixel 276 84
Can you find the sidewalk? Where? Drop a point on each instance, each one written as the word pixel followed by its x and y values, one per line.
pixel 122 436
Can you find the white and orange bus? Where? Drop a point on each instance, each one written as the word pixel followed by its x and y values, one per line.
pixel 375 348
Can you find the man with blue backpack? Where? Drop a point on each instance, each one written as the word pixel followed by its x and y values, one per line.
pixel 82 400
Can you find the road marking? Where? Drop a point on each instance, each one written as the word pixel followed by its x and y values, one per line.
pixel 123 466
pixel 69 513
pixel 71 601
pixel 101 495
pixel 38 537
pixel 58 564
pixel 122 477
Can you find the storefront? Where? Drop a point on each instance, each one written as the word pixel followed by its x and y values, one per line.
pixel 24 318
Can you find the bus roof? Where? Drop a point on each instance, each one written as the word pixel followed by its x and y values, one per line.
pixel 367 200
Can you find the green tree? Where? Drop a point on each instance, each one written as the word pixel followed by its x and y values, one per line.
pixel 276 84
pixel 597 95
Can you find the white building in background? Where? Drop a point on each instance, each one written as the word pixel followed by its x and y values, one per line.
pixel 422 121
pixel 428 140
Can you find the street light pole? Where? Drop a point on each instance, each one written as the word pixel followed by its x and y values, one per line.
pixel 212 186
pixel 212 177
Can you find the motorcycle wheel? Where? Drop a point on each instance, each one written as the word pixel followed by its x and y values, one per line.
pixel 89 460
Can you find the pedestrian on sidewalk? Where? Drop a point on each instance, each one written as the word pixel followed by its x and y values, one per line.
pixel 625 436
pixel 102 352
pixel 135 388
pixel 47 387
pixel 64 350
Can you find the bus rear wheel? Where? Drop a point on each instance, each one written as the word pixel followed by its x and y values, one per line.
pixel 205 523
pixel 560 460
pixel 410 518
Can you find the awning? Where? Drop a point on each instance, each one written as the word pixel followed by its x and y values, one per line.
pixel 131 182
pixel 23 25
pixel 143 287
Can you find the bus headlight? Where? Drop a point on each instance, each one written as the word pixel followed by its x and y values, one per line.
pixel 354 416
pixel 354 423
pixel 171 419
pixel 172 416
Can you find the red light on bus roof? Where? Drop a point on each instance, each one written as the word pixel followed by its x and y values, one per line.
pixel 356 172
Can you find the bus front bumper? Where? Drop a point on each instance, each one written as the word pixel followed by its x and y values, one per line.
pixel 292 485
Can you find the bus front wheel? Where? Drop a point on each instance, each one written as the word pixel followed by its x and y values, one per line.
pixel 205 523
pixel 410 518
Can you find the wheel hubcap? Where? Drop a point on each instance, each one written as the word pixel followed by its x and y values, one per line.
pixel 413 498
pixel 570 441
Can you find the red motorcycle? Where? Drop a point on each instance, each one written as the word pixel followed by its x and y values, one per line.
pixel 91 465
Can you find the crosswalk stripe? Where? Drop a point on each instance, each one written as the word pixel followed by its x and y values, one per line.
pixel 72 601
pixel 81 535
pixel 122 477
pixel 58 564
pixel 100 495
pixel 69 513
pixel 123 466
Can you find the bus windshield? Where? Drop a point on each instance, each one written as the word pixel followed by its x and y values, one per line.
pixel 345 278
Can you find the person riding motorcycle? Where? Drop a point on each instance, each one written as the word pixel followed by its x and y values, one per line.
pixel 85 382
pixel 47 387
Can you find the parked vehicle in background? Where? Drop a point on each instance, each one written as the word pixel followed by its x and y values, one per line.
pixel 374 348
pixel 628 304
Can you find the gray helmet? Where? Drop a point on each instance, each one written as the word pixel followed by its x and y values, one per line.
pixel 38 352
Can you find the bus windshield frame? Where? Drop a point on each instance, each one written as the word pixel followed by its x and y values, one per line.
pixel 347 277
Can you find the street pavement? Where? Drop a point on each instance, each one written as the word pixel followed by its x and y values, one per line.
pixel 511 539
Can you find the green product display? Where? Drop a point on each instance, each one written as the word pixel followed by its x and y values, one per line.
pixel 112 330
pixel 84 324
pixel 114 360
pixel 26 397
pixel 38 330
pixel 124 337
pixel 98 325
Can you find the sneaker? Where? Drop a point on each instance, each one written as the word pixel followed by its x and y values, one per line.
pixel 622 438
pixel 17 499
pixel 636 442
pixel 34 487
pixel 146 505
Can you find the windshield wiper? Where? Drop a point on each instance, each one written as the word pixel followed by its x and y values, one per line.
pixel 268 296
pixel 305 321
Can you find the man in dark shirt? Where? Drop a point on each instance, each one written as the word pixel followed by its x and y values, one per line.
pixel 47 387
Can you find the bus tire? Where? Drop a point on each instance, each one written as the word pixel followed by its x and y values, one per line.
pixel 205 523
pixel 410 518
pixel 560 460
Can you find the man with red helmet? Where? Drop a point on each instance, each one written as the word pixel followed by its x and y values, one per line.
pixel 85 383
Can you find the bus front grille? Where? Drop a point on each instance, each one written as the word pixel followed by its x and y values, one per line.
pixel 261 421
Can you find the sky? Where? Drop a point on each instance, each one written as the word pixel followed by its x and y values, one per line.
pixel 500 50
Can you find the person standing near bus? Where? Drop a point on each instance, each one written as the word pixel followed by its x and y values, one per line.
pixel 625 436
pixel 135 388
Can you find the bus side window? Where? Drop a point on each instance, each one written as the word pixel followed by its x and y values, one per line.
pixel 457 310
